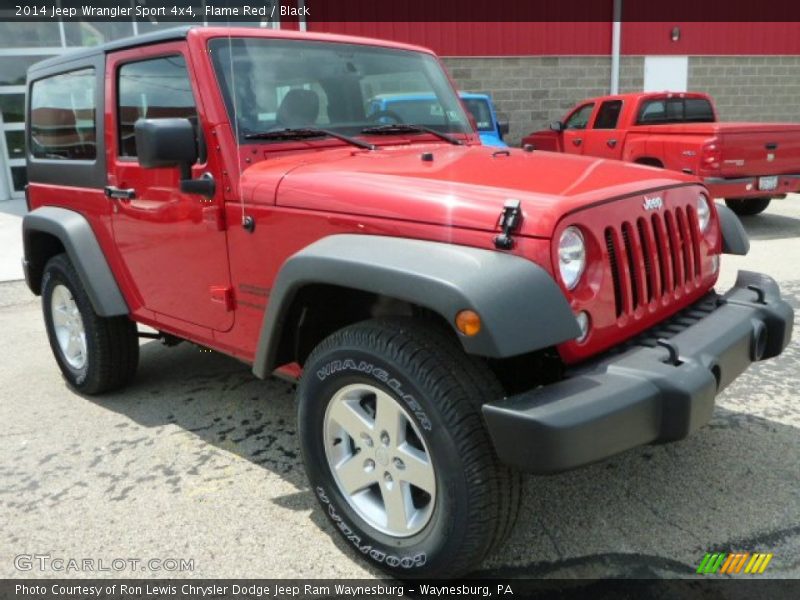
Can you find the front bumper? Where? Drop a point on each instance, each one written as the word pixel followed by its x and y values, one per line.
pixel 747 187
pixel 642 393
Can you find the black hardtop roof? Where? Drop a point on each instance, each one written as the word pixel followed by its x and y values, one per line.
pixel 174 33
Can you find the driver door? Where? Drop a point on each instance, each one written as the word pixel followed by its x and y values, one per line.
pixel 572 137
pixel 172 244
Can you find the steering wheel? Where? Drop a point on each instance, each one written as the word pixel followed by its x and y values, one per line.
pixel 385 117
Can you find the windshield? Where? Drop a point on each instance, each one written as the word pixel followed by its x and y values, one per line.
pixel 480 110
pixel 278 84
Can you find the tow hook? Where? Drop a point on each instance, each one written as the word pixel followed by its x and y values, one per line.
pixel 674 354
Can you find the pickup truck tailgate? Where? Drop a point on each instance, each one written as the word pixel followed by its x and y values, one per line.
pixel 759 149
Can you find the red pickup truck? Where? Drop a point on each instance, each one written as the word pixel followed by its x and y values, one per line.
pixel 748 164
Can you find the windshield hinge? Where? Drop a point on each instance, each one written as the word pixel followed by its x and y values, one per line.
pixel 509 222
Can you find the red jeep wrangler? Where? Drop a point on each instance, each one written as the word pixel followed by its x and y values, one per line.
pixel 454 313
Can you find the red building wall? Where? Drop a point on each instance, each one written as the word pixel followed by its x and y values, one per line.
pixel 579 38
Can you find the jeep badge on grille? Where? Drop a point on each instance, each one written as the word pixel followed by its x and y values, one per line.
pixel 653 203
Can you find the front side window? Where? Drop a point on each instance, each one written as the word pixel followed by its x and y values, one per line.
pixel 273 84
pixel 62 121
pixel 608 115
pixel 480 110
pixel 152 89
pixel 580 118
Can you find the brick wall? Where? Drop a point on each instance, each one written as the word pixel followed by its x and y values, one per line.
pixel 532 91
pixel 749 88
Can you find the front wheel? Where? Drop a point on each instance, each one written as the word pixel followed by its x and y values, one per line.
pixel 746 207
pixel 396 451
pixel 95 354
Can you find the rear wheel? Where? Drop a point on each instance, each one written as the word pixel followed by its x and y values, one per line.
pixel 396 451
pixel 96 354
pixel 747 206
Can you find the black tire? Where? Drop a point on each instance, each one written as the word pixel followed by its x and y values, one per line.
pixel 477 498
pixel 746 207
pixel 112 344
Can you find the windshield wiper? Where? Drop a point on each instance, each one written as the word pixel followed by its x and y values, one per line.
pixel 302 133
pixel 393 128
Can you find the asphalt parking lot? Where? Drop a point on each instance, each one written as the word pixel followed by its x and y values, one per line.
pixel 198 460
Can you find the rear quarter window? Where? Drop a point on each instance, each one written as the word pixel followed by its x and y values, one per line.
pixel 62 119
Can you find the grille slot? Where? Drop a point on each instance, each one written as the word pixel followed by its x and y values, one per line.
pixel 613 264
pixel 674 251
pixel 686 246
pixel 662 250
pixel 633 271
pixel 650 259
pixel 644 242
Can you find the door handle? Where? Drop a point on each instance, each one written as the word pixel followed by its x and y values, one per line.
pixel 115 193
pixel 611 143
pixel 577 142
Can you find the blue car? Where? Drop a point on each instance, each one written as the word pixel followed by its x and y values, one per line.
pixel 425 110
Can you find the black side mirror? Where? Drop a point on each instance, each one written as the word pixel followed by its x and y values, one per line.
pixel 502 127
pixel 171 143
pixel 165 143
pixel 557 126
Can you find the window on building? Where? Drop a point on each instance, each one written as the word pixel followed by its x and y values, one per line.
pixel 152 89
pixel 13 69
pixel 19 178
pixel 30 34
pixel 608 115
pixel 62 123
pixel 580 118
pixel 15 142
pixel 12 107
pixel 92 33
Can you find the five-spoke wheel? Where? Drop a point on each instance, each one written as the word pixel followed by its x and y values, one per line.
pixel 379 460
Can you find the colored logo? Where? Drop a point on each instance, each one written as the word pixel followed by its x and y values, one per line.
pixel 734 563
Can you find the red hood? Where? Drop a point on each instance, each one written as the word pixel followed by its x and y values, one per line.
pixel 463 186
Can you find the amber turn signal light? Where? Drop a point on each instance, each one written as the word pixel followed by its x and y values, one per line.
pixel 468 322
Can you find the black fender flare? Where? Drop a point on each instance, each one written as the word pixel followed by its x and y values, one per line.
pixel 522 309
pixel 76 236
pixel 734 237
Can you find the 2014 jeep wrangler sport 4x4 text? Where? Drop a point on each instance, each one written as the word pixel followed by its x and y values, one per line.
pixel 453 313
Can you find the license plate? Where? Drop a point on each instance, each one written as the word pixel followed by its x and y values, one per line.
pixel 768 183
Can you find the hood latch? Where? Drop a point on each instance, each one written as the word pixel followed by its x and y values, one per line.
pixel 510 219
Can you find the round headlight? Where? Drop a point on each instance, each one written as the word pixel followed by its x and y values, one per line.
pixel 571 256
pixel 703 212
